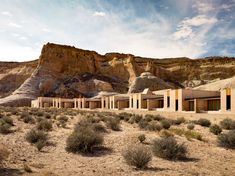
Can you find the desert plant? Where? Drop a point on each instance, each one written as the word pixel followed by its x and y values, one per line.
pixel 190 134
pixel 179 120
pixel 168 148
pixel 228 124
pixel 124 116
pixel 29 119
pixel 98 127
pixel 141 138
pixel 83 141
pixel 136 118
pixel 227 140
pixel 166 124
pixel 5 124
pixel 166 133
pixel 37 137
pixel 138 156
pixel 158 117
pixel 45 125
pixel 7 120
pixel 4 153
pixel 190 126
pixel 203 122
pixel 148 117
pixel 143 124
pixel 215 129
pixel 114 124
pixel 153 126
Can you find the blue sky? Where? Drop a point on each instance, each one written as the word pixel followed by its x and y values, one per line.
pixel 150 28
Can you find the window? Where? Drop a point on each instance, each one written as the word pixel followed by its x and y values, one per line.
pixel 228 102
pixel 137 104
pixel 132 103
pixel 213 105
pixel 176 105
pixel 168 101
pixel 81 104
pixel 104 104
pixel 191 105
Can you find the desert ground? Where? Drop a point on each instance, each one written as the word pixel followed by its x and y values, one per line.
pixel 205 156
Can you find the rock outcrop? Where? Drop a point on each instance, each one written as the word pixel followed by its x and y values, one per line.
pixel 66 71
pixel 147 80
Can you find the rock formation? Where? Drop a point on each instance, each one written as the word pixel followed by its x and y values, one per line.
pixel 66 71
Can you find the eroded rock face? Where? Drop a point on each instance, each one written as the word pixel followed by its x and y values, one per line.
pixel 70 72
pixel 147 80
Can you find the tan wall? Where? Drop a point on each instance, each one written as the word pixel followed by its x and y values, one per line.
pixel 200 105
pixel 223 100
pixel 68 105
pixel 233 100
pixel 123 104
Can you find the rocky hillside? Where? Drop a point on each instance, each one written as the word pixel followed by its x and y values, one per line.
pixel 70 72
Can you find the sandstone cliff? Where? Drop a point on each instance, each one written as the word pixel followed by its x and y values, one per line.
pixel 70 72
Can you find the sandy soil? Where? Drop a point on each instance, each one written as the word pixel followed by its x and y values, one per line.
pixel 206 158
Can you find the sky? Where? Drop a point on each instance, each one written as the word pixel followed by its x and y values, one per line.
pixel 148 28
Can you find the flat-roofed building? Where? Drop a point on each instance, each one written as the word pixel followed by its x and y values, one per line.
pixel 119 101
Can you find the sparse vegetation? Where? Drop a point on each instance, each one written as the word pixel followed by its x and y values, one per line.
pixel 179 121
pixel 228 124
pixel 227 140
pixel 37 137
pixel 5 124
pixel 190 126
pixel 168 148
pixel 153 126
pixel 203 122
pixel 141 138
pixel 189 134
pixel 166 124
pixel 45 125
pixel 114 124
pixel 166 133
pixel 83 140
pixel 138 156
pixel 215 129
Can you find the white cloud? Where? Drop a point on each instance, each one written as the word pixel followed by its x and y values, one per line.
pixel 15 25
pixel 203 7
pixel 185 28
pixel 6 13
pixel 199 20
pixel 46 30
pixel 99 14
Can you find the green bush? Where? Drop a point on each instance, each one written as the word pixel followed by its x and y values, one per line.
pixel 143 124
pixel 158 117
pixel 141 138
pixel 114 124
pixel 45 125
pixel 138 156
pixel 203 122
pixel 227 140
pixel 148 117
pixel 228 124
pixel 179 121
pixel 83 140
pixel 136 118
pixel 125 116
pixel 153 126
pixel 99 128
pixel 37 137
pixel 168 148
pixel 166 133
pixel 166 124
pixel 29 119
pixel 190 126
pixel 215 129
pixel 5 124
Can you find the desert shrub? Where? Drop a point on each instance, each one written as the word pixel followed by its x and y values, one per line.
pixel 141 138
pixel 203 122
pixel 227 140
pixel 83 140
pixel 166 124
pixel 228 124
pixel 47 115
pixel 39 113
pixel 37 137
pixel 168 148
pixel 190 134
pixel 45 125
pixel 179 120
pixel 29 119
pixel 136 118
pixel 124 116
pixel 7 120
pixel 148 117
pixel 215 129
pixel 4 153
pixel 190 126
pixel 153 126
pixel 143 124
pixel 98 127
pixel 5 124
pixel 62 120
pixel 138 156
pixel 166 133
pixel 114 124
pixel 158 117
